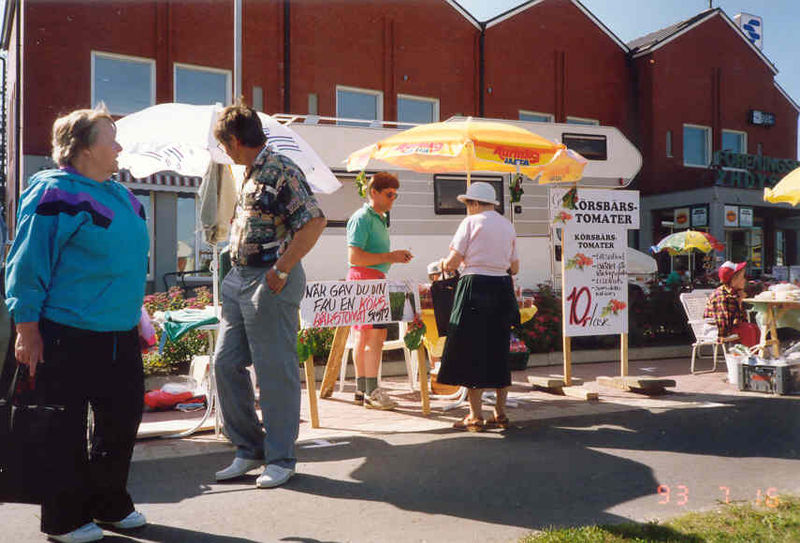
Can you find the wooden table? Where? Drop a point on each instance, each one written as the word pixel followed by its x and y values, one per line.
pixel 773 311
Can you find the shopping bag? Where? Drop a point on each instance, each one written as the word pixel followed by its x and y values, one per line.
pixel 443 293
pixel 29 437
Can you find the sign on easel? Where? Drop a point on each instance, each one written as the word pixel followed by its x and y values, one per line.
pixel 329 304
pixel 595 281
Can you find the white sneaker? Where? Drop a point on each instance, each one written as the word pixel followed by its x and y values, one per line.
pixel 134 520
pixel 379 399
pixel 274 475
pixel 238 467
pixel 84 534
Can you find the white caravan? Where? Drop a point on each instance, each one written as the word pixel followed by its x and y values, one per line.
pixel 426 213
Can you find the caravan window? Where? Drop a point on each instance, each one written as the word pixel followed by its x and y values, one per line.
pixel 446 189
pixel 339 205
pixel 590 146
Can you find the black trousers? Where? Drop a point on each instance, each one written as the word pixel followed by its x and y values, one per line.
pixel 104 370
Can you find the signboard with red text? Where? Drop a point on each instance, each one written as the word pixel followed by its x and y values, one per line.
pixel 345 303
pixel 595 287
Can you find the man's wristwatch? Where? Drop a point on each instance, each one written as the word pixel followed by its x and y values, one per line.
pixel 281 274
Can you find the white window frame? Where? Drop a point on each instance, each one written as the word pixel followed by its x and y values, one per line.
pixel 708 145
pixel 227 73
pixel 434 101
pixel 550 117
pixel 372 92
pixel 738 133
pixel 128 58
pixel 583 120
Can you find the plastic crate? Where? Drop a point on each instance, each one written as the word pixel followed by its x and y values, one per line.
pixel 770 379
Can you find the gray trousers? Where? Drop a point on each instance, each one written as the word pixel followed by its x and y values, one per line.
pixel 260 328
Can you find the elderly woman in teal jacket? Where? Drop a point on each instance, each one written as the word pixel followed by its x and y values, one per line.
pixel 75 281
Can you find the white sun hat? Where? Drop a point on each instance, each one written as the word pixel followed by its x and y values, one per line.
pixel 480 192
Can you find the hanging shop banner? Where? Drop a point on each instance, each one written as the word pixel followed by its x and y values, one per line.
pixel 731 217
pixel 595 208
pixel 595 281
pixel 780 273
pixel 681 217
pixel 746 217
pixel 345 303
pixel 794 273
pixel 700 216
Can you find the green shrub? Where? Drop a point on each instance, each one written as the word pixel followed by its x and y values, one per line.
pixel 176 355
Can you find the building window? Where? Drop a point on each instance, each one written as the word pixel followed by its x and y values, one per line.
pixel 146 199
pixel 188 235
pixel 591 147
pixel 339 205
pixel 760 149
pixel 125 84
pixel 733 140
pixel 669 143
pixel 535 117
pixel 417 109
pixel 582 120
pixel 258 98
pixel 696 145
pixel 446 189
pixel 780 248
pixel 353 103
pixel 201 86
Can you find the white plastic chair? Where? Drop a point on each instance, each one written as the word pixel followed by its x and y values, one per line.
pixel 705 331
pixel 412 364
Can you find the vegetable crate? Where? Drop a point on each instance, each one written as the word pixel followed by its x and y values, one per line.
pixel 770 379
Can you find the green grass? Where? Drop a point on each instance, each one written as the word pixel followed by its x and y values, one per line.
pixel 729 524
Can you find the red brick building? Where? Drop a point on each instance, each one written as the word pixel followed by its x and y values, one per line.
pixel 403 61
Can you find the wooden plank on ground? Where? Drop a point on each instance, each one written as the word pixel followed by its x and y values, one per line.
pixel 334 361
pixel 646 385
pixel 580 393
pixel 551 381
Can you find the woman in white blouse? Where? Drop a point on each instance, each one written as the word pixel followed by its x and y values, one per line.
pixel 476 353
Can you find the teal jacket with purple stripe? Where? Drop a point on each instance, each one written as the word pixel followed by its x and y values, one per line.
pixel 79 257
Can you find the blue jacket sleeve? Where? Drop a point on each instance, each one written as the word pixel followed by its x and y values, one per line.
pixel 34 253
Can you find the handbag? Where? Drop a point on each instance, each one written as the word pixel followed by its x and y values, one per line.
pixel 443 293
pixel 29 434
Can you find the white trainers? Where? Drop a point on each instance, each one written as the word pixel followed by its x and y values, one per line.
pixel 84 534
pixel 238 467
pixel 379 399
pixel 274 475
pixel 134 520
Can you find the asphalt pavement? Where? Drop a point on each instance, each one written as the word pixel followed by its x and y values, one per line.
pixel 410 478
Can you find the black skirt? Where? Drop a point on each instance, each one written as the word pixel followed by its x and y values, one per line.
pixel 476 353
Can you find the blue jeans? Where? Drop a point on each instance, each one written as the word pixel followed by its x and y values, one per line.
pixel 260 327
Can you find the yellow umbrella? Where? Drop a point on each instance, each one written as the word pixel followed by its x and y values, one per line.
pixel 787 190
pixel 567 165
pixel 471 146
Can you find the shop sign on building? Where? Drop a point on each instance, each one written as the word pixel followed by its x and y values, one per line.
pixel 681 217
pixel 596 208
pixel 731 217
pixel 700 216
pixel 746 217
pixel 595 281
pixel 750 171
pixel 761 118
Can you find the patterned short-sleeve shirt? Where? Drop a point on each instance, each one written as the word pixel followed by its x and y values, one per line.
pixel 275 202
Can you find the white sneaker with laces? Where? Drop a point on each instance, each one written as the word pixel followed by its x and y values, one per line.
pixel 134 520
pixel 238 467
pixel 274 475
pixel 84 534
pixel 379 399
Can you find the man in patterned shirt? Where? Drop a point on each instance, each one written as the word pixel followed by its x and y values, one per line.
pixel 725 305
pixel 276 222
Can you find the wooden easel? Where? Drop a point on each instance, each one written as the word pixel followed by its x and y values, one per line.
pixel 334 364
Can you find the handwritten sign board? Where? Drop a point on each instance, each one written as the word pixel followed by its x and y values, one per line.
pixel 345 303
pixel 597 208
pixel 595 281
